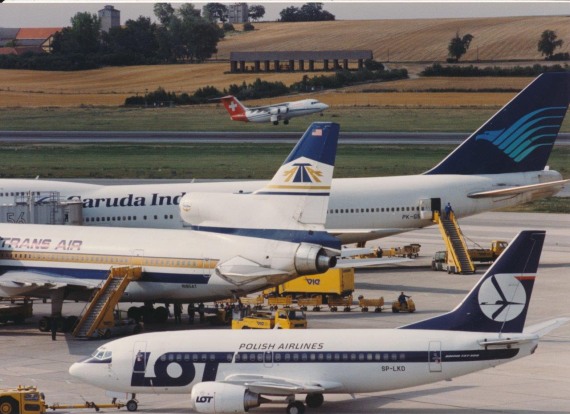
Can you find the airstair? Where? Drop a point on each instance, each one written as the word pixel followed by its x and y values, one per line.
pixel 458 260
pixel 100 310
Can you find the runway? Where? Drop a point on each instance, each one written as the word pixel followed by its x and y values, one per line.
pixel 536 384
pixel 142 137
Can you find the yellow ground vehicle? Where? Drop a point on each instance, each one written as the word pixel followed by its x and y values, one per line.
pixel 28 400
pixel 409 250
pixel 22 400
pixel 440 259
pixel 335 283
pixel 370 303
pixel 409 306
pixel 280 319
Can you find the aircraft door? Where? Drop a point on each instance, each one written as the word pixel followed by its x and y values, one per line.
pixel 268 359
pixel 137 257
pixel 428 206
pixel 140 357
pixel 207 265
pixel 434 356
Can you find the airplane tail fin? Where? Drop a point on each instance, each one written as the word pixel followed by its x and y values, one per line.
pixel 235 108
pixel 292 206
pixel 519 137
pixel 499 302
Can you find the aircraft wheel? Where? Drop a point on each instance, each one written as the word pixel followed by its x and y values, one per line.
pixel 9 405
pixel 296 407
pixel 44 324
pixel 275 122
pixel 71 322
pixel 132 405
pixel 314 400
pixel 107 334
pixel 286 122
pixel 365 309
pixel 160 314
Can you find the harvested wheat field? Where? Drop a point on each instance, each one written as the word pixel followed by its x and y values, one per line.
pixel 409 41
pixel 425 40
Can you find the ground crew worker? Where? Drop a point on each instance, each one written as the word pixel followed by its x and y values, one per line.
pixel 402 299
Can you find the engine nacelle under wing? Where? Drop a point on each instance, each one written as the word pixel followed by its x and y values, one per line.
pixel 222 398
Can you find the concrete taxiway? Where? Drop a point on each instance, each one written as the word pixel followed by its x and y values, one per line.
pixel 536 384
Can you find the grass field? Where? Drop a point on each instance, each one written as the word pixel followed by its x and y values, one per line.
pixel 216 161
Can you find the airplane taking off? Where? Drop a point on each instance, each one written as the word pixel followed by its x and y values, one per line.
pixel 284 238
pixel 230 371
pixel 271 113
pixel 502 164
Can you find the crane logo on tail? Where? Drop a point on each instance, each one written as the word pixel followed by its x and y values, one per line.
pixel 534 130
pixel 502 297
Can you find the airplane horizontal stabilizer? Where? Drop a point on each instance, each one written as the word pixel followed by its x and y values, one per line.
pixel 545 327
pixel 537 190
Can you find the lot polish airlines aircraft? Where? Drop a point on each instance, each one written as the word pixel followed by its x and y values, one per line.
pixel 271 113
pixel 502 164
pixel 286 239
pixel 227 371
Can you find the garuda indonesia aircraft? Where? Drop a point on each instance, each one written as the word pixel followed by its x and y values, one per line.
pixel 232 371
pixel 271 113
pixel 277 233
pixel 502 164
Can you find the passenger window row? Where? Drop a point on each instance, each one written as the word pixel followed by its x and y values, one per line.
pixel 374 210
pixel 125 218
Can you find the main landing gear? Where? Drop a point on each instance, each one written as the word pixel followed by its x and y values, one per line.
pixel 314 400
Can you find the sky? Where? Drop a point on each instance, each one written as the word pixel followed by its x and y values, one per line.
pixel 33 13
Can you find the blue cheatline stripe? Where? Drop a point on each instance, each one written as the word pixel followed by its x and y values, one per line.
pixel 102 274
pixel 321 238
pixel 335 357
pixel 292 193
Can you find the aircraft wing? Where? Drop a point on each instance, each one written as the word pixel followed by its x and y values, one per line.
pixel 538 190
pixel 267 107
pixel 543 328
pixel 239 271
pixel 358 263
pixel 280 386
pixel 30 283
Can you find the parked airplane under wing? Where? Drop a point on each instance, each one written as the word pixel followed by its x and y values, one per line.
pixel 489 170
pixel 276 244
pixel 271 113
pixel 228 371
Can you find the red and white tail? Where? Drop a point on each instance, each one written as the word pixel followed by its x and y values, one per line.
pixel 234 108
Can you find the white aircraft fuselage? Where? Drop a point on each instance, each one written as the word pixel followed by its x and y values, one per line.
pixel 360 209
pixel 366 360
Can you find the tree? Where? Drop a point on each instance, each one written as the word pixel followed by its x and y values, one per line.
pixel 548 43
pixel 458 46
pixel 256 12
pixel 188 11
pixel 84 35
pixel 216 12
pixel 309 12
pixel 137 36
pixel 164 12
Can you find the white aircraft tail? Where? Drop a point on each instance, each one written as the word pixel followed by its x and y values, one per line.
pixel 291 207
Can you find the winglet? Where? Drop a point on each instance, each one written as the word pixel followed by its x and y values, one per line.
pixel 520 136
pixel 499 302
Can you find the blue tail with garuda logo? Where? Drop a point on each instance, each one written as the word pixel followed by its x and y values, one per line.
pixel 499 302
pixel 519 137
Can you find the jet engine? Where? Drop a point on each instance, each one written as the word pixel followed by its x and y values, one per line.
pixel 278 110
pixel 218 397
pixel 311 259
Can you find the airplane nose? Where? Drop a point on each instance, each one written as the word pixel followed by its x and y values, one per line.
pixel 76 370
pixel 325 106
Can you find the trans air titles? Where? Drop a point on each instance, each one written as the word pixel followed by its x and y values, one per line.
pixel 40 244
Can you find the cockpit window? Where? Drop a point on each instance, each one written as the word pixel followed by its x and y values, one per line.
pixel 101 355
